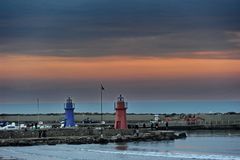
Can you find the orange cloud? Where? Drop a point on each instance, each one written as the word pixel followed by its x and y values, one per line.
pixel 113 68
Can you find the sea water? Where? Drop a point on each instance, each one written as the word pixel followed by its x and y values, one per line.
pixel 158 106
pixel 206 145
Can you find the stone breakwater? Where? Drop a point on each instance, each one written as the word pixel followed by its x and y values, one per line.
pixel 94 139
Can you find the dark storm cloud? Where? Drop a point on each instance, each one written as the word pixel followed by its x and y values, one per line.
pixel 136 27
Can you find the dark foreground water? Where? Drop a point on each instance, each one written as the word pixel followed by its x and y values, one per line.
pixel 198 146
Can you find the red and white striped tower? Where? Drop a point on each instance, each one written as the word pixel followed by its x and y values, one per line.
pixel 120 115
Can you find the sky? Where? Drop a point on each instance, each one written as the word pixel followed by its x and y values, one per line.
pixel 143 49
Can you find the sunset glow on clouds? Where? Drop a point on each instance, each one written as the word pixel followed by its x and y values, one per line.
pixel 114 68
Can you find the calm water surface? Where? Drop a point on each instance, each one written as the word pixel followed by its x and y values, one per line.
pixel 198 146
pixel 164 106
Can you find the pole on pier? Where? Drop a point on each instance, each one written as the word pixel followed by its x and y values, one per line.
pixel 102 89
pixel 38 109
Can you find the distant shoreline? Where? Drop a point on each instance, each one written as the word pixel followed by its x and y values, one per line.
pixel 135 106
pixel 106 113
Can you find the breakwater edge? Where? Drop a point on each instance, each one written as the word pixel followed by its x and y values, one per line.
pixel 83 136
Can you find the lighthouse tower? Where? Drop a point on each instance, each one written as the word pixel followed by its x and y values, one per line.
pixel 69 115
pixel 120 115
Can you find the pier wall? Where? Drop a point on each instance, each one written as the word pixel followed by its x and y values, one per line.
pixel 63 132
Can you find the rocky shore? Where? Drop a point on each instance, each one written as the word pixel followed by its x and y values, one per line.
pixel 94 139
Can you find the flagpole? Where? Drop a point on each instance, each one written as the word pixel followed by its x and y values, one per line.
pixel 101 123
pixel 101 106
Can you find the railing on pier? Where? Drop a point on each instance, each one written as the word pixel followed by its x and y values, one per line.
pixel 207 124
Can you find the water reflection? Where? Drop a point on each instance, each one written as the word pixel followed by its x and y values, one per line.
pixel 121 146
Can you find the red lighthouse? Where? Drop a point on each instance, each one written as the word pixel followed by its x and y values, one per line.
pixel 120 115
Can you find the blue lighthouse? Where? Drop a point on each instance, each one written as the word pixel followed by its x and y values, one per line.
pixel 69 115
